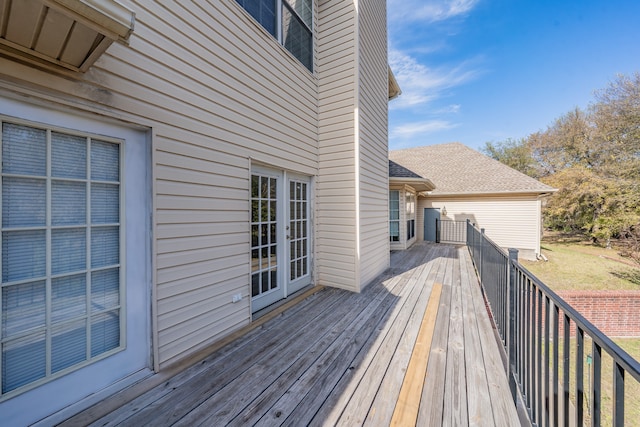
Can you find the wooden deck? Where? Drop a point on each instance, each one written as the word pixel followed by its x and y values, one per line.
pixel 415 348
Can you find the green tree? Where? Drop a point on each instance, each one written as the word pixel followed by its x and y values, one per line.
pixel 593 158
pixel 513 153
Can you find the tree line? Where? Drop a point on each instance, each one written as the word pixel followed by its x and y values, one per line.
pixel 592 156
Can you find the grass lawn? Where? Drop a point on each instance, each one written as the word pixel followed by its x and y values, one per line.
pixel 584 266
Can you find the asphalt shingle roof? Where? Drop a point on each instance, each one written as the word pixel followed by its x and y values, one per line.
pixel 399 171
pixel 455 168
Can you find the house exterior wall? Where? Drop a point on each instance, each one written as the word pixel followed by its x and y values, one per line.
pixel 337 226
pixel 510 221
pixel 352 190
pixel 215 93
pixel 373 155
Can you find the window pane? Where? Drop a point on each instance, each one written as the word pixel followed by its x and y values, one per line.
pixel 296 38
pixel 23 361
pixel 105 203
pixel 105 246
pixel 304 10
pixel 105 332
pixel 24 202
pixel 105 289
pixel 69 297
pixel 68 156
pixel 23 307
pixel 24 150
pixel 394 227
pixel 105 161
pixel 68 203
pixel 23 255
pixel 263 11
pixel 68 250
pixel 68 345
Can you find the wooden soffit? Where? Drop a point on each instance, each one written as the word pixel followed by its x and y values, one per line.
pixel 71 34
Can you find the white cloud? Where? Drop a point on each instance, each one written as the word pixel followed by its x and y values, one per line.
pixel 414 129
pixel 428 11
pixel 421 84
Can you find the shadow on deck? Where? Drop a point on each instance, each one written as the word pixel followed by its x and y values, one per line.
pixel 414 348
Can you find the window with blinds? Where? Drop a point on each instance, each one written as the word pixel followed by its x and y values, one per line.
pixel 289 21
pixel 61 299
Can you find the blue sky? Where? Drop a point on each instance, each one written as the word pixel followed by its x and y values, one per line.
pixel 474 71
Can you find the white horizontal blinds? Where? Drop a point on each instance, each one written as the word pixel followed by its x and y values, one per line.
pixel 394 216
pixel 264 243
pixel 105 246
pixel 298 230
pixel 297 35
pixel 60 252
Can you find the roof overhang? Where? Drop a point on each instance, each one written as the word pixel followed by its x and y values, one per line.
pixel 71 34
pixel 394 88
pixel 418 184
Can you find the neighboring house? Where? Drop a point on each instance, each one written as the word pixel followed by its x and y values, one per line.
pixel 470 185
pixel 170 168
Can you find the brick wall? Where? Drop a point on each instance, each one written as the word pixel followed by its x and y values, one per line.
pixel 616 313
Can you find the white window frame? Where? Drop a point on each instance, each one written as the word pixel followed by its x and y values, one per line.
pixel 48 227
pixel 410 214
pixel 396 221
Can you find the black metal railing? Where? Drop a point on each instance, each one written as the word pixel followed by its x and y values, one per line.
pixel 546 343
pixel 449 231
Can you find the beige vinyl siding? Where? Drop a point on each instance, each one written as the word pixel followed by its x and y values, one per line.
pixel 373 153
pixel 218 91
pixel 336 238
pixel 510 221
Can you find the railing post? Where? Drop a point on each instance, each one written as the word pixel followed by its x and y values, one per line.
pixel 512 288
pixel 437 230
pixel 468 233
pixel 481 255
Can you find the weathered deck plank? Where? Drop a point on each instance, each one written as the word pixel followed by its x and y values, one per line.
pixel 340 358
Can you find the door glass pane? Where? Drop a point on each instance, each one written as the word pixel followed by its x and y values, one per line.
pixel 69 297
pixel 68 203
pixel 105 332
pixel 23 361
pixel 68 345
pixel 298 223
pixel 264 239
pixel 68 250
pixel 23 308
pixel 68 156
pixel 105 161
pixel 23 255
pixel 24 150
pixel 24 202
pixel 105 246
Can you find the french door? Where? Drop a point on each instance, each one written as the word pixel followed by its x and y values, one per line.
pixel 280 235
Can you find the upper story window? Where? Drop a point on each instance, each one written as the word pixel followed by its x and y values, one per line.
pixel 289 21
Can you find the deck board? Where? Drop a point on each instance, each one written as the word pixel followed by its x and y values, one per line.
pixel 341 358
